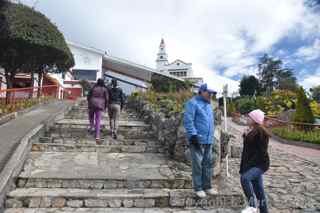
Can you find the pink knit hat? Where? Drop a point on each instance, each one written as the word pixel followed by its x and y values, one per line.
pixel 257 115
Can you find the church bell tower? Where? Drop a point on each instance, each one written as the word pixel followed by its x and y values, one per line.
pixel 162 57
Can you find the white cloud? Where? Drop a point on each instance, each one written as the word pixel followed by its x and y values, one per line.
pixel 208 33
pixel 311 80
pixel 310 53
pixel 216 81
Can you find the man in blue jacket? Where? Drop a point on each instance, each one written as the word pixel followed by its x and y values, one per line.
pixel 199 125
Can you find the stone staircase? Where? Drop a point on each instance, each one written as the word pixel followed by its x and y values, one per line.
pixel 67 172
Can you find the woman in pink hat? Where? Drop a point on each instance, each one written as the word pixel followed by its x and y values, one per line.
pixel 255 162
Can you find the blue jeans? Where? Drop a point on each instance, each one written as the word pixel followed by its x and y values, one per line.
pixel 252 184
pixel 202 170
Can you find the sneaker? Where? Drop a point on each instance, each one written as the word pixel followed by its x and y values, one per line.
pixel 211 191
pixel 90 130
pixel 115 136
pixel 249 209
pixel 201 194
pixel 98 141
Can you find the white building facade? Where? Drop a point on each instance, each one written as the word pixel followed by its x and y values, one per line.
pixel 177 68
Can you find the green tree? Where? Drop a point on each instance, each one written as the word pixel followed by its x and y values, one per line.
pixel 303 110
pixel 273 75
pixel 245 105
pixel 268 67
pixel 315 93
pixel 286 80
pixel 86 86
pixel 249 86
pixel 30 42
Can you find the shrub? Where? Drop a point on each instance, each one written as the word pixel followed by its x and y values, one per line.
pixel 303 110
pixel 231 108
pixel 163 84
pixel 298 135
pixel 168 102
pixel 315 107
pixel 245 105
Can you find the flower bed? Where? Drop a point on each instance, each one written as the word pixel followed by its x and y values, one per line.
pixel 21 105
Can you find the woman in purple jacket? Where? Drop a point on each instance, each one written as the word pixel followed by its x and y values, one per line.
pixel 97 103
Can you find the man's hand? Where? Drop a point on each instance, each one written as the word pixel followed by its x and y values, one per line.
pixel 194 140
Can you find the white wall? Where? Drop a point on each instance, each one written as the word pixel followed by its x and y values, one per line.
pixel 3 86
pixel 181 66
pixel 86 59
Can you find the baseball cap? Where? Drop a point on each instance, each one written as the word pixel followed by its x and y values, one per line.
pixel 204 88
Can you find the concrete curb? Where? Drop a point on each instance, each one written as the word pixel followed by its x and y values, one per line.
pixel 296 143
pixel 15 164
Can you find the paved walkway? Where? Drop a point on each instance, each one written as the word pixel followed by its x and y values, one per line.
pixel 12 132
pixel 302 152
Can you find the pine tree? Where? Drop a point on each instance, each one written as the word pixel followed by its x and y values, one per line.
pixel 303 110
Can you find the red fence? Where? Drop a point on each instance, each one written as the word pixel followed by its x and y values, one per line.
pixel 12 96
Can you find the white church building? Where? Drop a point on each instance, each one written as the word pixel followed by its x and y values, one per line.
pixel 177 68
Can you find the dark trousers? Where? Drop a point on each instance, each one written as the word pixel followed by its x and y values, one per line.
pixel 252 185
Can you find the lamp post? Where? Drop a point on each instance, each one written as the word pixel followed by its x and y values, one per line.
pixel 225 94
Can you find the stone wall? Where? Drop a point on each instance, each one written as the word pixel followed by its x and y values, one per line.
pixel 169 130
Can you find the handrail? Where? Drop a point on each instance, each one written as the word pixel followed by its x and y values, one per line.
pixel 293 123
pixel 284 122
pixel 26 88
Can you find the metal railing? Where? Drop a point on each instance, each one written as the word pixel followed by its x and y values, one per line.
pixel 12 100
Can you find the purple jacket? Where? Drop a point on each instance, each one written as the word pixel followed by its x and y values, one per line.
pixel 98 98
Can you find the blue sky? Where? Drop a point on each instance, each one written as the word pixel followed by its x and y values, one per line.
pixel 223 39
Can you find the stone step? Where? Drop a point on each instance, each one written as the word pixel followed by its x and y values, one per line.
pixel 116 198
pixel 102 170
pixel 123 134
pixel 104 148
pixel 107 140
pixel 118 210
pixel 106 183
pixel 78 128
pixel 80 123
pixel 84 114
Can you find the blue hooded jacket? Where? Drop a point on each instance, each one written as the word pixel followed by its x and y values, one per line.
pixel 199 120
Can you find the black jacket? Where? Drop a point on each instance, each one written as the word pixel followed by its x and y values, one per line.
pixel 255 150
pixel 116 96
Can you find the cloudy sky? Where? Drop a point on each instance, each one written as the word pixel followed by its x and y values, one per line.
pixel 223 39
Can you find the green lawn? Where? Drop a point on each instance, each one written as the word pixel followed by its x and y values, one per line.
pixel 298 135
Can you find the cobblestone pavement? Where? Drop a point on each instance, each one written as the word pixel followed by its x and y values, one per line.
pixel 303 152
pixel 293 181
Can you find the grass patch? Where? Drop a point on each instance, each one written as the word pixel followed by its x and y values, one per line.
pixel 298 135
